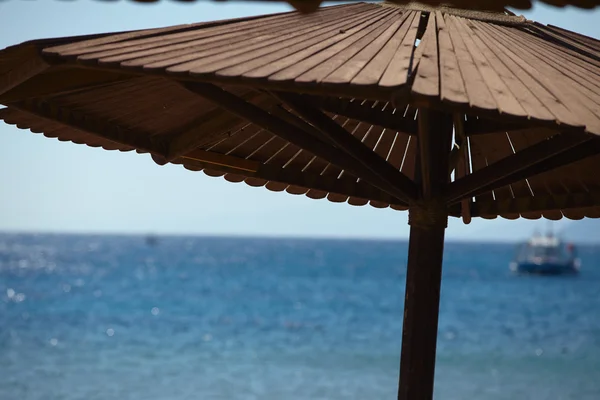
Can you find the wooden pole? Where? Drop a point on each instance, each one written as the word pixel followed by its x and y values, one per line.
pixel 421 307
pixel 428 220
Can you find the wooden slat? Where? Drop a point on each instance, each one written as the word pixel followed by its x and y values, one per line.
pixel 383 149
pixel 233 165
pixel 286 131
pixel 299 162
pixel 308 162
pixel 538 204
pixel 307 37
pixel 156 50
pixel 359 60
pixel 241 135
pixel 463 167
pixel 481 126
pixel 478 93
pixel 478 163
pixel 577 153
pixel 104 95
pixel 574 171
pixel 329 169
pixel 154 105
pixel 211 126
pixel 506 82
pixel 567 42
pixel 427 79
pixel 498 147
pixel 522 183
pixel 54 129
pixel 408 163
pixel 585 172
pixel 335 51
pixel 28 67
pixel 204 48
pixel 250 146
pixel 512 165
pixel 578 37
pixel 452 86
pixel 483 59
pixel 91 125
pixel 280 158
pixel 332 53
pixel 318 65
pixel 410 157
pixel 369 141
pixel 399 69
pixel 540 85
pixel 359 133
pixel 58 81
pixel 299 50
pixel 375 68
pixel 400 185
pixel 579 108
pixel 585 73
pixel 353 109
pixel 285 114
pixel 396 154
pixel 81 43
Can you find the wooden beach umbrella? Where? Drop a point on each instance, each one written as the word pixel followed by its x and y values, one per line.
pixel 440 111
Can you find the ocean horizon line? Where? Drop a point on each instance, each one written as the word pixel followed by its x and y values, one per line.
pixel 273 236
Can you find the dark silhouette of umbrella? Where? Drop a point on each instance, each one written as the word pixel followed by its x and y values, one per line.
pixel 440 111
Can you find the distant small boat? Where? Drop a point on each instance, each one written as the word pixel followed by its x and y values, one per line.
pixel 545 255
pixel 151 240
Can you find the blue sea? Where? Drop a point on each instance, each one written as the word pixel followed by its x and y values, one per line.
pixel 109 317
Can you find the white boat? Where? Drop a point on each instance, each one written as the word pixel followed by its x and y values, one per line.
pixel 546 255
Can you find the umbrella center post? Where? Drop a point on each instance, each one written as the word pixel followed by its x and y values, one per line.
pixel 428 218
pixel 421 305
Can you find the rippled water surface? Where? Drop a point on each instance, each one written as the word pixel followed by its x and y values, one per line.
pixel 107 317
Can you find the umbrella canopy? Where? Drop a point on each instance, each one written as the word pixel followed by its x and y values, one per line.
pixel 223 97
pixel 438 110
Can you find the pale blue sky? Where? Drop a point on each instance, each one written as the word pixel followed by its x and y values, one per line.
pixel 52 186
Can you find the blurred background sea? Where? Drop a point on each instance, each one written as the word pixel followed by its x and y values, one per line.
pixel 111 317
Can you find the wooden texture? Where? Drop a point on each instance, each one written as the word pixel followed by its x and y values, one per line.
pixel 293 135
pixel 229 164
pixel 463 167
pixel 565 203
pixel 384 116
pixel 512 164
pixel 17 66
pixel 425 253
pixel 483 61
pixel 56 81
pixel 367 67
pixel 421 309
pixel 403 187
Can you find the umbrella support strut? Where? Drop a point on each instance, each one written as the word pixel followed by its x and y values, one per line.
pixel 428 219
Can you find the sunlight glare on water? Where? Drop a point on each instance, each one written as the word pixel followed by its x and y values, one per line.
pixel 101 317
